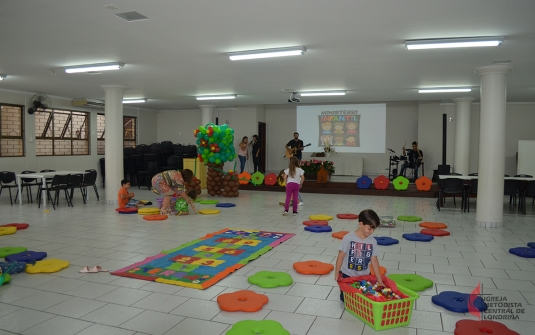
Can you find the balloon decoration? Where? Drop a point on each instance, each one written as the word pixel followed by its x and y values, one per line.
pixel 195 184
pixel 215 146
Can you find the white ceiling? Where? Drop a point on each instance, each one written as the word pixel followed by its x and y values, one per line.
pixel 180 52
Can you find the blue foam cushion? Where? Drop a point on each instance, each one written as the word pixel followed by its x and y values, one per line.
pixel 27 256
pixel 531 244
pixel 128 212
pixel 458 302
pixel 364 182
pixel 520 251
pixel 225 204
pixel 319 229
pixel 418 237
pixel 385 240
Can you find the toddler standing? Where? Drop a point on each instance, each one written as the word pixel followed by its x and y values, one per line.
pixel 294 177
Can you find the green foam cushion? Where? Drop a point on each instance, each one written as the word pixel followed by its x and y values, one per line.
pixel 209 202
pixel 412 281
pixel 265 327
pixel 6 251
pixel 269 279
pixel 409 218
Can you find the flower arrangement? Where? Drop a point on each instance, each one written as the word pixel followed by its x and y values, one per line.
pixel 313 166
pixel 329 148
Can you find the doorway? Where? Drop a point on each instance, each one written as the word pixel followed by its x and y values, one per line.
pixel 262 138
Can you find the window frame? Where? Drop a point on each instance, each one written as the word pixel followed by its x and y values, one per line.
pixel 136 128
pixel 22 129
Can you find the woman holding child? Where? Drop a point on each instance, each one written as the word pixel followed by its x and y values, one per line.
pixel 170 182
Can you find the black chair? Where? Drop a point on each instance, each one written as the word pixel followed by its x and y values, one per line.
pixel 47 180
pixel 102 163
pixel 28 183
pixel 155 148
pixel 472 189
pixel 8 180
pixel 90 180
pixel 172 164
pixel 511 188
pixel 451 186
pixel 526 188
pixel 75 181
pixel 59 182
pixel 530 191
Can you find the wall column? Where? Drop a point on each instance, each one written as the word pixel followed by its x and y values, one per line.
pixel 492 145
pixel 461 155
pixel 113 111
pixel 207 115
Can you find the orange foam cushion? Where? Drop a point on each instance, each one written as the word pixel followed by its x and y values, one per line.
pixel 340 234
pixel 347 216
pixel 313 268
pixel 155 217
pixel 433 225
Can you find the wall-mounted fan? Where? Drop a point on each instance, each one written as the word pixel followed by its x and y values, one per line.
pixel 38 101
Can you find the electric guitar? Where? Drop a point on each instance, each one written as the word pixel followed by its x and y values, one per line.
pixel 291 152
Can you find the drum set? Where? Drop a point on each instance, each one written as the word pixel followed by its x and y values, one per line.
pixel 393 164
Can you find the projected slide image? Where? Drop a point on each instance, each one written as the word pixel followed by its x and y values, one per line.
pixel 339 130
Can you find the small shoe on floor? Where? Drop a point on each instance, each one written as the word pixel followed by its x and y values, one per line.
pixel 300 204
pixel 98 268
pixel 294 214
pixel 87 269
pixel 285 213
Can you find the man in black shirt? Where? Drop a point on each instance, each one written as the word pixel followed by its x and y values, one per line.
pixel 295 146
pixel 256 153
pixel 415 157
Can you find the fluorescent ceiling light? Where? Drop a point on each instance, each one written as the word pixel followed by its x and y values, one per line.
pixel 94 67
pixel 444 90
pixel 3 76
pixel 134 101
pixel 267 53
pixel 217 97
pixel 454 43
pixel 321 93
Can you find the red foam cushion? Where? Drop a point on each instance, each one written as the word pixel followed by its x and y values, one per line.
pixel 19 226
pixel 347 216
pixel 126 210
pixel 435 232
pixel 155 217
pixel 316 223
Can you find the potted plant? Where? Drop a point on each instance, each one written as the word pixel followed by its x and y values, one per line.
pixel 329 150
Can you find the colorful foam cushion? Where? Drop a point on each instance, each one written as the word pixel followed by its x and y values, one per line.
pixel 148 210
pixel 382 270
pixel 27 256
pixel 313 267
pixel 473 327
pixel 409 218
pixel 347 216
pixel 209 202
pixel 418 237
pixel 423 184
pixel 320 217
pixel 316 223
pixel 458 302
pixel 269 279
pixel 12 267
pixel 412 281
pixel 400 183
pixel 155 217
pixel 6 251
pixel 531 244
pixel 209 211
pixel 127 210
pixel 244 177
pixel 523 252
pixel 340 234
pixel 225 205
pixel 266 327
pixel 381 182
pixel 433 225
pixel 257 178
pixel 385 240
pixel 8 230
pixel 19 226
pixel 319 229
pixel 270 179
pixel 47 266
pixel 242 301
pixel 364 182
pixel 435 232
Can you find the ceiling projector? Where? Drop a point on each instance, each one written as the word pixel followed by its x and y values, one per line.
pixel 293 97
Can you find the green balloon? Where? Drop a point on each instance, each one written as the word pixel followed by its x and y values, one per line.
pixel 211 159
pixel 211 154
pixel 199 135
pixel 232 131
pixel 206 151
pixel 217 155
pixel 206 137
pixel 217 160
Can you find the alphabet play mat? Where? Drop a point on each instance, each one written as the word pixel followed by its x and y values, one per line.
pixel 203 262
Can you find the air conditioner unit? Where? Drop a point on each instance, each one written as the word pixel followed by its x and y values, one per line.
pixel 88 103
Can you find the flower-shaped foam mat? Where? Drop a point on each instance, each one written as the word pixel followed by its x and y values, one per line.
pixel 242 301
pixel 320 217
pixel 19 226
pixel 313 267
pixel 412 281
pixel 523 252
pixel 252 327
pixel 340 234
pixel 484 327
pixel 382 270
pixel 257 178
pixel 423 184
pixel 155 217
pixel 225 205
pixel 8 230
pixel 400 183
pixel 364 182
pixel 47 266
pixel 531 244
pixel 208 211
pixel 459 302
pixel 435 232
pixel 208 202
pixel 433 225
pixel 386 240
pixel 270 179
pixel 418 237
pixel 148 211
pixel 244 178
pixel 6 251
pixel 26 256
pixel 269 279
pixel 347 216
pixel 381 182
pixel 316 223
pixel 409 218
pixel 319 229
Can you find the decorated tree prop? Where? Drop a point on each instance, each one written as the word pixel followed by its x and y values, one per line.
pixel 215 146
pixel 195 184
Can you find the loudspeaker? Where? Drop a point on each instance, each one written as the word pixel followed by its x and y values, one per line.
pixel 443 169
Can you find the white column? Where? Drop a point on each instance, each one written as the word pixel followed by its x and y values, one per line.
pixel 207 115
pixel 461 156
pixel 113 111
pixel 491 169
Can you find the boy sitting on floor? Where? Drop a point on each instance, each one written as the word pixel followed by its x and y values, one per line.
pixel 181 206
pixel 125 198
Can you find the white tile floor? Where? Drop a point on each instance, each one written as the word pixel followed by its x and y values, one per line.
pixel 68 302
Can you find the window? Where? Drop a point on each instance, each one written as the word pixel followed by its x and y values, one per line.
pixel 12 135
pixel 61 133
pixel 129 132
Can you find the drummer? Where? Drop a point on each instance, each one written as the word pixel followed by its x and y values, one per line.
pixel 415 156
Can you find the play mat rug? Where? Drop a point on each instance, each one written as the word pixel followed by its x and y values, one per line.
pixel 203 262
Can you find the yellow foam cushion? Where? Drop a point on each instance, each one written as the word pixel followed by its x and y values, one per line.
pixel 47 265
pixel 148 210
pixel 209 211
pixel 321 217
pixel 8 230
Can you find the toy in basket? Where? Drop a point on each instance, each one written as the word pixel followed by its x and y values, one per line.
pixel 379 311
pixel 388 222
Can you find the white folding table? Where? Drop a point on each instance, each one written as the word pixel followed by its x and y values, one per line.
pixel 42 176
